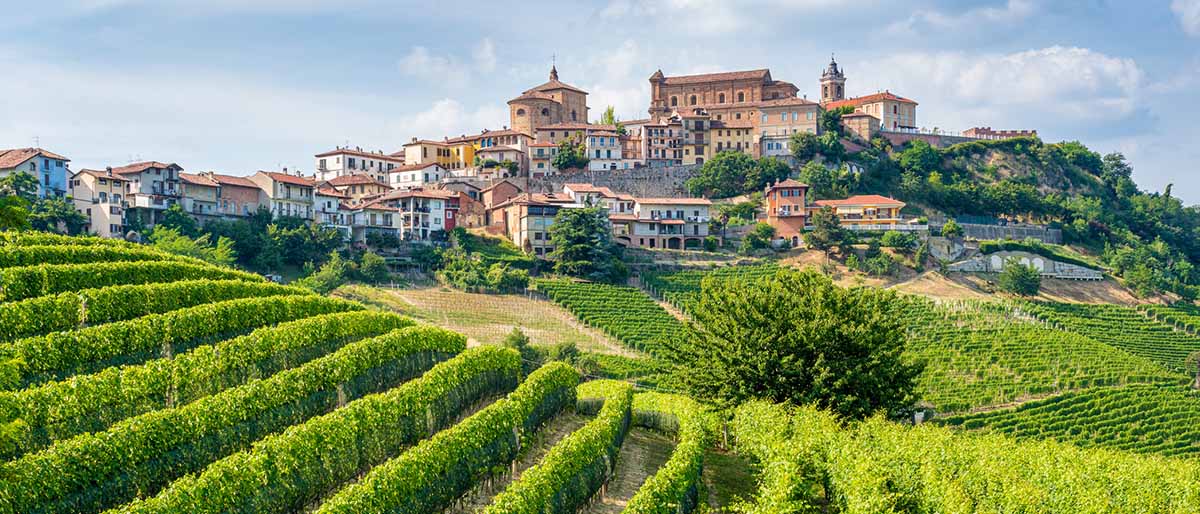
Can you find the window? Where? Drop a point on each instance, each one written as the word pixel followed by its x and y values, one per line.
pixel 572 115
pixel 545 111
pixel 782 116
pixel 741 96
pixel 809 115
pixel 674 101
pixel 692 100
pixel 764 118
pixel 738 116
pixel 795 116
pixel 721 98
pixel 895 109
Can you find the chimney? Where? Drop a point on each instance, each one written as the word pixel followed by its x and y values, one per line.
pixel 108 170
pixel 414 139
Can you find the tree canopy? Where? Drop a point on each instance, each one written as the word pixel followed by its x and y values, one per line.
pixel 583 246
pixel 571 155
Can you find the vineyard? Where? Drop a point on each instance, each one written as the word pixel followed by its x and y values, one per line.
pixel 153 389
pixel 1125 328
pixel 680 287
pixel 1140 419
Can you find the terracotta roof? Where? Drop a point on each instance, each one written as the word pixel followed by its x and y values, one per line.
pixel 858 114
pixel 589 188
pixel 230 180
pixel 327 191
pixel 670 221
pixel 139 167
pixel 498 183
pixel 786 102
pixel 762 74
pixel 675 201
pixel 413 167
pixel 575 125
pixel 787 183
pixel 399 155
pixel 555 84
pixel 16 156
pixel 535 145
pixel 289 179
pixel 622 217
pixel 868 99
pixel 851 146
pixel 642 121
pixel 360 153
pixel 199 180
pixel 102 174
pixel 533 95
pixel 346 180
pixel 426 142
pixel 418 193
pixel 867 200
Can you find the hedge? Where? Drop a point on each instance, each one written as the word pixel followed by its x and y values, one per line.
pixel 429 477
pixel 575 468
pixel 675 488
pixel 44 279
pixel 283 473
pixel 12 238
pixel 13 256
pixel 88 350
pixel 140 455
pixel 90 403
pixel 68 311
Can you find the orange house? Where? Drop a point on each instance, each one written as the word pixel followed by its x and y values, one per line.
pixel 786 210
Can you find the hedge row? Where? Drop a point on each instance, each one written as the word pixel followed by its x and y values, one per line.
pixel 68 311
pixel 11 238
pixel 44 279
pixel 88 350
pixel 91 403
pixel 140 455
pixel 13 256
pixel 429 477
pixel 575 468
pixel 675 488
pixel 284 472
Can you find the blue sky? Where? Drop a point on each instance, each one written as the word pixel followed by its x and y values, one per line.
pixel 236 86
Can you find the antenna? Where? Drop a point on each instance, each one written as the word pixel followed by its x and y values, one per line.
pixel 37 142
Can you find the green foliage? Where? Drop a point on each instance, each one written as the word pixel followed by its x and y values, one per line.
pixel 31 255
pixel 731 173
pixel 682 288
pixel 572 155
pixel 952 230
pixel 372 268
pixel 1019 279
pixel 430 476
pixel 766 171
pixel 20 184
pixel 804 146
pixel 469 272
pixel 172 241
pixel 105 469
pixel 622 312
pixel 45 279
pixel 1124 328
pixel 301 241
pixel 711 243
pixel 14 211
pixel 334 273
pixel 287 471
pixel 758 238
pixel 1165 419
pixel 583 246
pixel 799 338
pixel 178 220
pixel 676 485
pixel 491 250
pixel 827 231
pixel 898 240
pixel 67 311
pixel 831 119
pixel 87 350
pixel 575 468
pixel 825 182
pixel 920 158
pixel 91 403
pixel 609 117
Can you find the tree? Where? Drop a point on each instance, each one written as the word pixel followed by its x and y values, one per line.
pixel 823 182
pixel 831 120
pixel 804 146
pixel 795 337
pixel 1019 279
pixel 372 268
pixel 767 171
pixel 571 155
pixel 583 246
pixel 610 118
pixel 952 230
pixel 21 184
pixel 531 359
pixel 827 231
pixel 758 238
pixel 722 176
pixel 14 210
pixel 55 215
pixel 328 277
pixel 175 217
pixel 170 240
pixel 920 158
pixel 898 240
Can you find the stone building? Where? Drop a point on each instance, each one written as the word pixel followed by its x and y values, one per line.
pixel 727 96
pixel 548 104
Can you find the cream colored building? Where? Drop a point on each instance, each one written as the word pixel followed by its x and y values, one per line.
pixel 201 195
pixel 289 195
pixel 100 195
pixel 354 161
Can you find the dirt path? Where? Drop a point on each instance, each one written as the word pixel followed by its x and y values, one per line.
pixel 546 438
pixel 643 452
pixel 728 478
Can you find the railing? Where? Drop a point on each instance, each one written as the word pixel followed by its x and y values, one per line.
pixel 899 227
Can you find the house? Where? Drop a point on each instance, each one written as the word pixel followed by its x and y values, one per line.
pixel 287 195
pixel 503 154
pixel 499 192
pixel 100 195
pixel 787 209
pixel 354 161
pixel 331 209
pixel 424 151
pixel 201 195
pixel 415 176
pixel 779 120
pixel 372 218
pixel 152 188
pixel 423 214
pixel 50 169
pixel 541 159
pixel 672 223
pixel 862 211
pixel 357 185
pixel 604 150
pixel 526 220
pixel 737 136
pixel 861 124
pixel 465 186
pixel 238 196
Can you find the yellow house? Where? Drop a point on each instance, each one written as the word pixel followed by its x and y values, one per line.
pixel 424 151
pixel 865 210
pixel 731 135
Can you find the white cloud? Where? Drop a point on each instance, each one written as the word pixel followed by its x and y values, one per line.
pixel 449 70
pixel 1188 12
pixel 485 55
pixel 1059 85
pixel 713 17
pixel 448 117
pixel 923 21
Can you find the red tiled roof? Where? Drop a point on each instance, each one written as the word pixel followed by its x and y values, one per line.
pixel 102 174
pixel 867 200
pixel 533 95
pixel 575 125
pixel 418 193
pixel 622 217
pixel 199 180
pixel 16 156
pixel 786 102
pixel 675 201
pixel 326 191
pixel 346 180
pixel 413 167
pixel 360 153
pixel 868 99
pixel 763 74
pixel 289 179
pixel 139 167
pixel 230 180
pixel 555 84
pixel 787 183
pixel 589 188
pixel 426 142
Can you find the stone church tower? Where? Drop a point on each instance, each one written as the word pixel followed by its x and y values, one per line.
pixel 833 83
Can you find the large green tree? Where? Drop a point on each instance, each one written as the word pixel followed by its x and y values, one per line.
pixel 827 231
pixel 57 215
pixel 1019 279
pixel 571 155
pixel 795 337
pixel 722 176
pixel 583 245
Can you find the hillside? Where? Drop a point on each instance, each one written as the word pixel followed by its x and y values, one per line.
pixel 144 383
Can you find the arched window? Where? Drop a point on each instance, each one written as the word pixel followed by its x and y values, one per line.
pixel 545 111
pixel 741 96
pixel 721 98
pixel 674 101
pixel 520 112
pixel 692 100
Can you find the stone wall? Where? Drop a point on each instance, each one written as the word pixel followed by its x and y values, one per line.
pixel 1015 232
pixel 994 263
pixel 658 182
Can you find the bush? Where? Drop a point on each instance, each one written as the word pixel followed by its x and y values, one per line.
pixel 332 274
pixel 952 230
pixel 1019 279
pixel 711 243
pixel 758 238
pixel 372 268
pixel 898 240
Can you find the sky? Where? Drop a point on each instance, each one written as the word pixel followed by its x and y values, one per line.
pixel 237 86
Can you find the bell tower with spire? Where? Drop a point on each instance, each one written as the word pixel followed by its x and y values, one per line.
pixel 833 83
